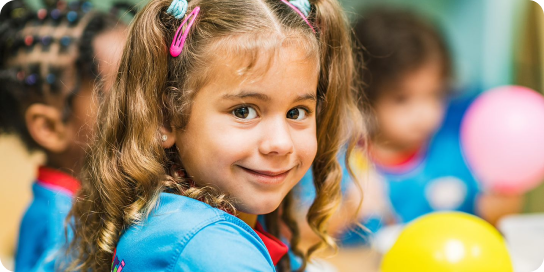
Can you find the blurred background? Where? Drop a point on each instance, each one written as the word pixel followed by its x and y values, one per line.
pixel 493 43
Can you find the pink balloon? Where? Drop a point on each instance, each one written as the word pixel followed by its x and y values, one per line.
pixel 502 135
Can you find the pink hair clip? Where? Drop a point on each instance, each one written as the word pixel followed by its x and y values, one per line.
pixel 181 34
pixel 299 13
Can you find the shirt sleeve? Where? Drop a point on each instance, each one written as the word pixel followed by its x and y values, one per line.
pixel 224 246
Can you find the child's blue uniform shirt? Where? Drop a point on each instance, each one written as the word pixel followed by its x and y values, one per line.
pixel 183 234
pixel 441 180
pixel 42 227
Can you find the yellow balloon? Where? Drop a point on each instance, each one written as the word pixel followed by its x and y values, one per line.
pixel 448 242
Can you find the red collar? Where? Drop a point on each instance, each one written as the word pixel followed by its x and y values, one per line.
pixel 401 160
pixel 404 162
pixel 57 180
pixel 276 248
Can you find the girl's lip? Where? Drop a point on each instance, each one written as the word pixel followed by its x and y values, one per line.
pixel 268 177
pixel 268 173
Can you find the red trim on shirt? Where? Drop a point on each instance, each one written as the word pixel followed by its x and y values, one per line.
pixel 400 160
pixel 276 248
pixel 56 178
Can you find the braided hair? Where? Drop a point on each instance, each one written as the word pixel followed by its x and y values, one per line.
pixel 45 56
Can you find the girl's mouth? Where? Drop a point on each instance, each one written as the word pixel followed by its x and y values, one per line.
pixel 267 176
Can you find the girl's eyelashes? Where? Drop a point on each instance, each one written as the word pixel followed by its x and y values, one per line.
pixel 297 114
pixel 245 112
pixel 249 113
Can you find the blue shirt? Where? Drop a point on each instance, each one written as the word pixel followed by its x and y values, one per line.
pixel 441 179
pixel 183 234
pixel 42 227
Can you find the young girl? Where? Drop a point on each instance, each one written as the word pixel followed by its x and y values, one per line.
pixel 51 65
pixel 219 108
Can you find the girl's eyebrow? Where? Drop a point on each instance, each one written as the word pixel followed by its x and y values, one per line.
pixel 244 94
pixel 308 96
pixel 264 97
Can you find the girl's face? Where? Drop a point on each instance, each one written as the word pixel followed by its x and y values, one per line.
pixel 254 139
pixel 409 115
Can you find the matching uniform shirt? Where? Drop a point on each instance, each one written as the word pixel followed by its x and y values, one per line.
pixel 184 234
pixel 42 227
pixel 181 234
pixel 434 179
pixel 438 178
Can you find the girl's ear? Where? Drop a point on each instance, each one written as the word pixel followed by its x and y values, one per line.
pixel 168 136
pixel 45 125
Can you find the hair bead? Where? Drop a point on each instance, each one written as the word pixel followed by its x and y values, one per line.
pixel 72 17
pixel 18 13
pixel 61 5
pixel 74 5
pixel 50 78
pixel 55 14
pixel 21 75
pixel 65 41
pixel 31 79
pixel 86 7
pixel 42 14
pixel 29 40
pixel 46 42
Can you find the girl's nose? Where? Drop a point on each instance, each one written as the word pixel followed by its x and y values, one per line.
pixel 276 138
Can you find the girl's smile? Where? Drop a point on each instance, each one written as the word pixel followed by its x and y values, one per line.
pixel 268 177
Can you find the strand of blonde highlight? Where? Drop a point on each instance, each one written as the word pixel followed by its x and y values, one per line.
pixel 342 112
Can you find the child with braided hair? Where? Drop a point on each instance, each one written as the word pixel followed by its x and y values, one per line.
pixel 54 66
pixel 220 107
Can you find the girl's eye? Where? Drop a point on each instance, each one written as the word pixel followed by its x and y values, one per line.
pixel 296 114
pixel 245 113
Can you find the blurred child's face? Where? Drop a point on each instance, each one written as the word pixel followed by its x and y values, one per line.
pixel 108 48
pixel 254 139
pixel 412 112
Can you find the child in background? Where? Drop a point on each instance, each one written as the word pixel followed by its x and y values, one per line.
pixel 51 66
pixel 219 109
pixel 413 163
pixel 415 141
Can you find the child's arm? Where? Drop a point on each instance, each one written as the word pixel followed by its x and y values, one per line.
pixel 375 205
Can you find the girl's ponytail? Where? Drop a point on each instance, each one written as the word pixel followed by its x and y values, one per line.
pixel 339 118
pixel 123 172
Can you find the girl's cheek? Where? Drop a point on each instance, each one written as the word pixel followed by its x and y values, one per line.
pixel 306 144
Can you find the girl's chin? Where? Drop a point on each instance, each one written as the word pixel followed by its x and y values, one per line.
pixel 259 207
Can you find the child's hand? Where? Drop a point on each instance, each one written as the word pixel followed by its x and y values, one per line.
pixel 492 206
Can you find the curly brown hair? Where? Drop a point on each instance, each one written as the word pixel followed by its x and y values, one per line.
pixel 395 42
pixel 127 168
